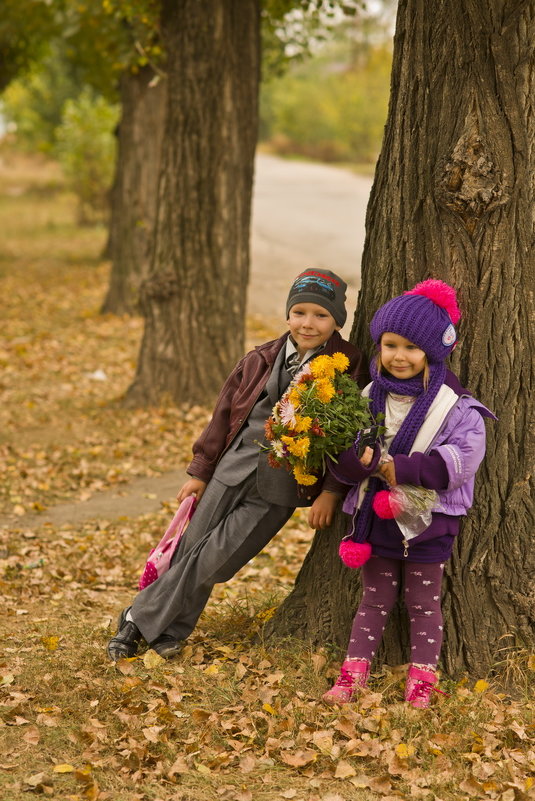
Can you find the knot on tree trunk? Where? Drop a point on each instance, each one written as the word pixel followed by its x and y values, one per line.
pixel 470 184
pixel 161 287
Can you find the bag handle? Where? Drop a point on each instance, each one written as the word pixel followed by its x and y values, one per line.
pixel 176 528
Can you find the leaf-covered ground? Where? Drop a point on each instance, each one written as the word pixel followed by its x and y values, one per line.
pixel 235 717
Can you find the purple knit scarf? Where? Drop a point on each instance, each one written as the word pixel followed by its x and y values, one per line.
pixel 382 384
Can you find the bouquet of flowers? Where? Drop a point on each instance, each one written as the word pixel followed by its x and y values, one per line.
pixel 317 417
pixel 408 505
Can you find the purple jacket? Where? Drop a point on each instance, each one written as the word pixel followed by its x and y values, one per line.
pixel 448 465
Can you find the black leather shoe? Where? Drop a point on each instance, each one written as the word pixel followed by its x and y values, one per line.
pixel 167 646
pixel 126 641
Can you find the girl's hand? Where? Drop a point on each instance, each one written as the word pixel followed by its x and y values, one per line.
pixel 388 472
pixel 367 456
pixel 192 487
pixel 322 510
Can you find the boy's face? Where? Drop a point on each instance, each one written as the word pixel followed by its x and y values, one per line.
pixel 310 326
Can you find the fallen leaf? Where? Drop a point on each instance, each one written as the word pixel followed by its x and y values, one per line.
pixel 472 787
pixel 64 768
pixel 248 763
pixel 92 792
pixel 200 715
pixel 151 659
pixel 129 683
pixel 244 795
pixel 481 685
pixel 178 767
pixel 51 643
pixel 152 732
pixel 404 751
pixel 380 784
pixel 344 770
pixel 300 758
pixel 32 735
pixel 35 780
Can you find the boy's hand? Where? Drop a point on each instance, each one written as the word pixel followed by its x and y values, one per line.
pixel 192 487
pixel 322 510
pixel 388 472
pixel 367 456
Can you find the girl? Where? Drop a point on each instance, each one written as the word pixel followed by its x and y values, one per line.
pixel 435 438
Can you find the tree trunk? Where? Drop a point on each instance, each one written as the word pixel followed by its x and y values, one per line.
pixel 134 192
pixel 194 297
pixel 453 198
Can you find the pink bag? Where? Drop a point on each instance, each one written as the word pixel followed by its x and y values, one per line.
pixel 160 557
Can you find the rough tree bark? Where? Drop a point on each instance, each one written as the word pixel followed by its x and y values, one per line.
pixel 134 192
pixel 454 198
pixel 194 297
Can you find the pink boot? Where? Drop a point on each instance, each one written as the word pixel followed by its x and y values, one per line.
pixel 353 674
pixel 420 685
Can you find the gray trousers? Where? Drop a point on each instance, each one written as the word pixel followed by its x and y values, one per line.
pixel 229 527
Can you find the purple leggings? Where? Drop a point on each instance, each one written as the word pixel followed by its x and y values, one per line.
pixel 381 578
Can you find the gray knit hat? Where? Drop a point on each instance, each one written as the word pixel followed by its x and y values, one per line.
pixel 322 287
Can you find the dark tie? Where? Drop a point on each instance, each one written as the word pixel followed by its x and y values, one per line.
pixel 292 363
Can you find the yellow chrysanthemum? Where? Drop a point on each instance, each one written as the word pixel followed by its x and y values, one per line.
pixel 322 367
pixel 324 390
pixel 295 397
pixel 304 478
pixel 302 423
pixel 340 361
pixel 297 447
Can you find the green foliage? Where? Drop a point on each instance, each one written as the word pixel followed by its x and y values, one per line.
pixel 86 149
pixel 25 27
pixel 35 102
pixel 329 108
pixel 103 38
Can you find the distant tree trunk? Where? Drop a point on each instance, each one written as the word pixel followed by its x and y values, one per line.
pixel 454 198
pixel 194 298
pixel 134 192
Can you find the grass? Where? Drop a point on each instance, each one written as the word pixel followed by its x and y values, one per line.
pixel 236 717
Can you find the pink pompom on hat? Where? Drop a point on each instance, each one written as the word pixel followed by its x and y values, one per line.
pixel 425 315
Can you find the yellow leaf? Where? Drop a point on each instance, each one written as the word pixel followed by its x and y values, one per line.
pixel 531 662
pixel 530 781
pixel 268 708
pixel 404 751
pixel 129 683
pixel 63 768
pixel 83 774
pixel 212 670
pixel 481 685
pixel 92 792
pixel 50 643
pixel 151 659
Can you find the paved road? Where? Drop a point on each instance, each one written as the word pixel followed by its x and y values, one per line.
pixel 304 215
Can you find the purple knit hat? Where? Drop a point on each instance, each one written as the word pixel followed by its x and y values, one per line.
pixel 425 315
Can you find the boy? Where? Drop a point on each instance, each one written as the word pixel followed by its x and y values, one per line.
pixel 244 501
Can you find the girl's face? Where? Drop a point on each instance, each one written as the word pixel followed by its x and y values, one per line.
pixel 401 358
